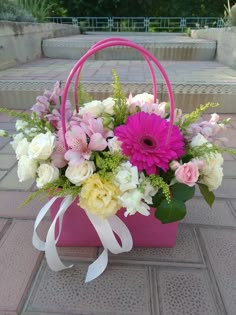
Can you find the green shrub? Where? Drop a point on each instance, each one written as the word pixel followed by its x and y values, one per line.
pixel 11 11
pixel 39 8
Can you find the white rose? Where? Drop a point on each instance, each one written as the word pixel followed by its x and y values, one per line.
pixel 132 201
pixel 22 148
pixel 143 98
pixel 212 171
pixel 26 168
pixel 94 108
pixel 20 125
pixel 198 140
pixel 41 147
pixel 114 145
pixel 78 173
pixel 16 139
pixel 214 178
pixel 47 173
pixel 108 105
pixel 126 177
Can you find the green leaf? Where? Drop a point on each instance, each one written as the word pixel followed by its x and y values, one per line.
pixel 187 158
pixel 207 195
pixel 182 192
pixel 173 211
pixel 157 199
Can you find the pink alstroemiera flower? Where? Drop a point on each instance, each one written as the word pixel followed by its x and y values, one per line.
pixel 144 138
pixel 80 147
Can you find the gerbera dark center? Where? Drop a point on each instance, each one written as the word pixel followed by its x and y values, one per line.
pixel 148 142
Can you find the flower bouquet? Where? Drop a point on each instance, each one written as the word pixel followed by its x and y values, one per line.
pixel 122 165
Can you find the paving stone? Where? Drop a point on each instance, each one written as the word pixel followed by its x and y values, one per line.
pixel 230 169
pixel 186 250
pixel 2 224
pixel 226 190
pixel 185 292
pixel 10 181
pixel 198 212
pixel 2 174
pixel 7 161
pixel 7 148
pixel 11 201
pixel 233 202
pixel 3 142
pixel 221 249
pixel 120 290
pixel 18 264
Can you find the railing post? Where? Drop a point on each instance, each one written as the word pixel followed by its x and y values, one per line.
pixel 146 24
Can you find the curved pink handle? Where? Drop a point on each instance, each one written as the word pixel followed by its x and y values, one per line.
pixel 99 47
pixel 111 39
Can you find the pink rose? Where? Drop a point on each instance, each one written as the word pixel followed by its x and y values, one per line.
pixel 187 174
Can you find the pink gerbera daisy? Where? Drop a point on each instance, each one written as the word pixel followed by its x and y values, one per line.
pixel 144 138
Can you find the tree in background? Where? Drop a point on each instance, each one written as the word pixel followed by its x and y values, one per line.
pixel 132 8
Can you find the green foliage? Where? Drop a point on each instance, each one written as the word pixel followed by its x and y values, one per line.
pixel 182 192
pixel 39 8
pixel 83 95
pixel 172 211
pixel 158 182
pixel 120 107
pixel 203 150
pixel 207 195
pixel 107 163
pixel 190 118
pixel 13 113
pixel 11 11
pixel 230 14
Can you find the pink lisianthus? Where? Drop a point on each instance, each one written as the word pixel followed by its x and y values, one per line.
pixel 187 174
pixel 91 125
pixel 80 146
pixel 54 95
pixel 55 117
pixel 41 108
pixel 209 129
pixel 144 138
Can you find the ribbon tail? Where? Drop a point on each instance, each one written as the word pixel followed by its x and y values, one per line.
pixel 52 257
pixel 37 242
pixel 97 267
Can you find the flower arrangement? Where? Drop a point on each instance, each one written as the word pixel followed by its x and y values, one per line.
pixel 131 153
pixel 120 154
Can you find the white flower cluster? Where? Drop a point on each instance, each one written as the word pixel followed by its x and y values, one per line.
pixel 97 108
pixel 33 156
pixel 133 197
pixel 212 172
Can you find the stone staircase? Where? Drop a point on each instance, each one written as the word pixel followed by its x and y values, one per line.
pixel 195 75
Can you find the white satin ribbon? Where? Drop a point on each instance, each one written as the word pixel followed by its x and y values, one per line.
pixel 104 228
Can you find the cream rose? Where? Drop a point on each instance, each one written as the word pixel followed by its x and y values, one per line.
pixel 41 147
pixel 22 148
pixel 47 173
pixel 26 168
pixel 212 171
pixel 94 108
pixel 79 173
pixel 108 105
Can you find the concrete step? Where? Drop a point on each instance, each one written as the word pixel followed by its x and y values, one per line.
pixel 164 47
pixel 193 82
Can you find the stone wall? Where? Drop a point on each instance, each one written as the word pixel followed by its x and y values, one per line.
pixel 226 43
pixel 21 42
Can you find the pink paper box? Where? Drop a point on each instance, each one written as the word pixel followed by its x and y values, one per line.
pixel 77 230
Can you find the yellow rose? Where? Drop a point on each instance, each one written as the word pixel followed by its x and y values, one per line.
pixel 100 197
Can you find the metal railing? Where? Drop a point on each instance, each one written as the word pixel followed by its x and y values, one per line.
pixel 139 24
